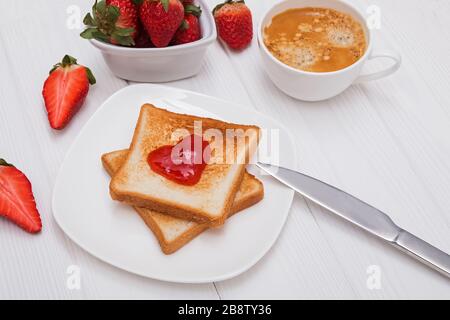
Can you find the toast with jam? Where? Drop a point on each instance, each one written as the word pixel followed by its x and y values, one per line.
pixel 185 166
pixel 173 233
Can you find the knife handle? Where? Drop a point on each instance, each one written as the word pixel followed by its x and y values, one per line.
pixel 424 252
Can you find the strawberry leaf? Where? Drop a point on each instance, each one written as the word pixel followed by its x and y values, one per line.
pixel 184 25
pixel 100 36
pixel 124 32
pixel 5 164
pixel 100 6
pixel 165 4
pixel 94 7
pixel 89 33
pixel 88 20
pixel 113 13
pixel 68 61
pixel 192 9
pixel 90 76
pixel 123 40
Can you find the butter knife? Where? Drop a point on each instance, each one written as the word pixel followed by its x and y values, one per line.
pixel 362 215
pixel 350 208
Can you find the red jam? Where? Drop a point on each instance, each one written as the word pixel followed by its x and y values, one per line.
pixel 183 163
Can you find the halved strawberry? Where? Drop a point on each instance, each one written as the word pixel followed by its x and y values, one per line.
pixel 16 199
pixel 65 91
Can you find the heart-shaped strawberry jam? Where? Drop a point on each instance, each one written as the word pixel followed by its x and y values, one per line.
pixel 182 163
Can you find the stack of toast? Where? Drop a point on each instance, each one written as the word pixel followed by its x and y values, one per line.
pixel 175 211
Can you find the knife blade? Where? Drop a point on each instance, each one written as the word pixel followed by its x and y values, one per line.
pixel 362 215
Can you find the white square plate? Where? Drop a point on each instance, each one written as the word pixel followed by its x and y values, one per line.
pixel 114 233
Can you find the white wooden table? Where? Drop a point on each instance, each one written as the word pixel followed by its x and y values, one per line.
pixel 386 142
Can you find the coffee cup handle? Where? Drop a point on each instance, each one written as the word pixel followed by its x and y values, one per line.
pixel 383 73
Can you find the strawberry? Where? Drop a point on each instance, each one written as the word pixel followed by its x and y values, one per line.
pixel 16 199
pixel 234 23
pixel 65 91
pixel 189 30
pixel 143 41
pixel 161 19
pixel 113 21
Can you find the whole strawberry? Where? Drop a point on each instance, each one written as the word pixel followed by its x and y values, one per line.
pixel 190 29
pixel 65 91
pixel 16 199
pixel 161 19
pixel 113 21
pixel 234 23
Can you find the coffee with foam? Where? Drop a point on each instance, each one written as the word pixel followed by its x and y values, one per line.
pixel 316 39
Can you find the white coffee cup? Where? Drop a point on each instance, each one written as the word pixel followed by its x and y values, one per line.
pixel 316 86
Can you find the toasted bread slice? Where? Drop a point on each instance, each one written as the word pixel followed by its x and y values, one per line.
pixel 173 233
pixel 210 200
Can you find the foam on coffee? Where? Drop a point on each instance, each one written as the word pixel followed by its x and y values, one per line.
pixel 341 36
pixel 315 39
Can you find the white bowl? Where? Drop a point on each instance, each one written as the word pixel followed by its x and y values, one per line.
pixel 161 64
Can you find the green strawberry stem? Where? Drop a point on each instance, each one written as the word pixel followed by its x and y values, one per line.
pixel 165 4
pixel 68 61
pixel 184 25
pixel 101 25
pixel 3 163
pixel 90 76
pixel 192 9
